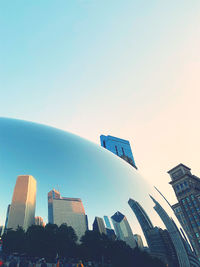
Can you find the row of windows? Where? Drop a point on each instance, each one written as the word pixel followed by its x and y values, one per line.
pixel 182 186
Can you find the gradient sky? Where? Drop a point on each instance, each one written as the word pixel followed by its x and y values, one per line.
pixel 126 68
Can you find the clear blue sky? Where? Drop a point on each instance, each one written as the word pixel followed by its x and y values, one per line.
pixel 126 68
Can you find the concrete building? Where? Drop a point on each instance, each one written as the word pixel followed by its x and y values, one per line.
pixel 175 235
pixel 122 229
pixel 22 209
pixel 119 147
pixel 39 221
pixel 69 211
pixel 99 226
pixel 187 189
pixel 139 241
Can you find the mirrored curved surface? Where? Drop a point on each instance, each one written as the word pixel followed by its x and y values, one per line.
pixel 77 167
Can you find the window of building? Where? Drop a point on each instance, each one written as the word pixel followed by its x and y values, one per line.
pixel 116 150
pixel 197 234
pixel 186 184
pixel 123 151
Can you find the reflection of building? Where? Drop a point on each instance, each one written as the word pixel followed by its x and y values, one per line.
pixel 7 214
pixel 118 146
pixel 22 209
pixel 138 240
pixel 157 245
pixel 174 234
pixel 107 222
pixel 39 221
pixel 69 211
pixel 187 189
pixel 142 218
pixel 99 226
pixel 122 229
pixel 53 194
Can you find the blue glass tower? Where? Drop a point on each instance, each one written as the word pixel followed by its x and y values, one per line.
pixel 119 147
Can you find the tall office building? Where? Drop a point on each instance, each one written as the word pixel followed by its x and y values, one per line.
pixel 153 235
pixel 187 189
pixel 99 226
pixel 175 235
pixel 22 209
pixel 122 229
pixel 107 222
pixel 142 218
pixel 53 194
pixel 119 147
pixel 69 211
pixel 139 241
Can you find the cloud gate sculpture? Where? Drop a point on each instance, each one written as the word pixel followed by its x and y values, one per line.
pixel 76 166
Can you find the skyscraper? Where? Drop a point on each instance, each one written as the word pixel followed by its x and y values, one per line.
pixel 187 189
pixel 107 222
pixel 174 234
pixel 142 218
pixel 119 147
pixel 53 194
pixel 69 211
pixel 22 209
pixel 153 235
pixel 99 226
pixel 122 229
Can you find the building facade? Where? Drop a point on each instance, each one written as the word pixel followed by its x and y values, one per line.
pixel 187 189
pixel 22 209
pixel 53 194
pixel 122 229
pixel 107 222
pixel 175 235
pixel 119 147
pixel 69 211
pixel 99 226
pixel 153 235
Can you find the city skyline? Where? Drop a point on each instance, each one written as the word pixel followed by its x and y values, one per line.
pixel 152 49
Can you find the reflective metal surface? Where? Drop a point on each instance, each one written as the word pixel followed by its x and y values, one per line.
pixel 77 167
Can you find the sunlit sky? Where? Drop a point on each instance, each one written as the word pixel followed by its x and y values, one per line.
pixel 120 67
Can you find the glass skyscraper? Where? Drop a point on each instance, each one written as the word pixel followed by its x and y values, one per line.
pixel 175 235
pixel 99 226
pixel 119 147
pixel 107 222
pixel 122 229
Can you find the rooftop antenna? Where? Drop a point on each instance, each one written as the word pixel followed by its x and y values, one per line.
pixel 163 197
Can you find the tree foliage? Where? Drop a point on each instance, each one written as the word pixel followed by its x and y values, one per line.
pixel 51 241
